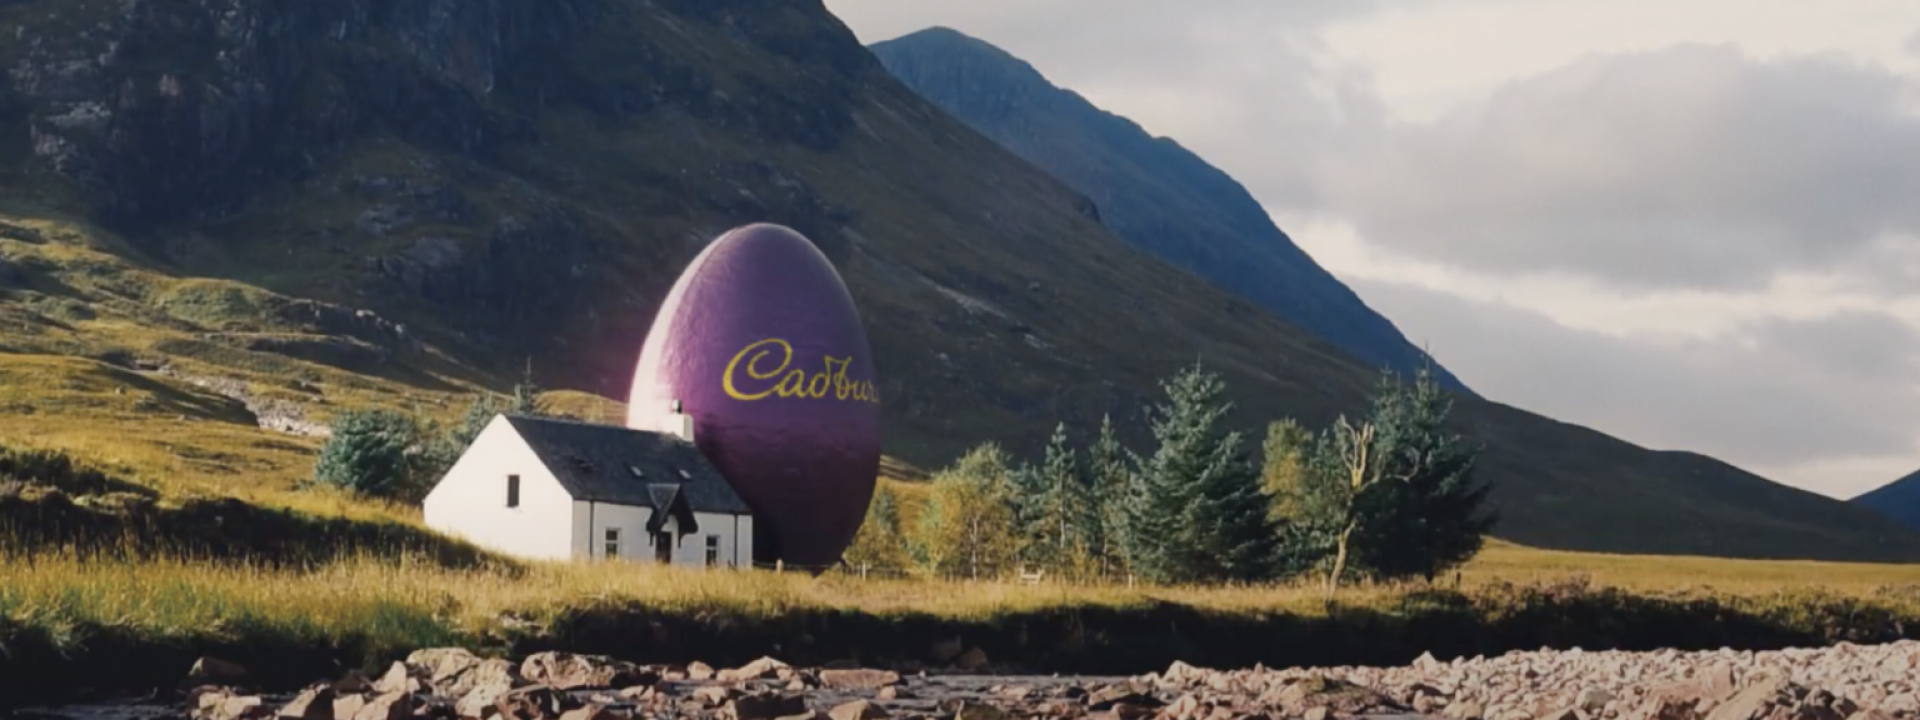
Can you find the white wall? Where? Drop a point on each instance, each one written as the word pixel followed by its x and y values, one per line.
pixel 636 545
pixel 471 500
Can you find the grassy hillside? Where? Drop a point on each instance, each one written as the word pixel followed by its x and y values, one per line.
pixel 1899 500
pixel 211 222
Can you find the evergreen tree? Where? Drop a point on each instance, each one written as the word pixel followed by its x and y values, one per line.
pixel 1064 509
pixel 1195 510
pixel 1108 480
pixel 370 452
pixel 1432 518
pixel 879 544
pixel 968 528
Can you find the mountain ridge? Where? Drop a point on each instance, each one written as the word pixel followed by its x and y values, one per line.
pixel 1150 190
pixel 1899 500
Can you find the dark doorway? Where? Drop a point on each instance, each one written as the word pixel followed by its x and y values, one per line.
pixel 663 547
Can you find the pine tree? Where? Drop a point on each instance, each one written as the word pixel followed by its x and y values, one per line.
pixel 879 544
pixel 369 452
pixel 1432 518
pixel 1108 480
pixel 1195 509
pixel 1065 508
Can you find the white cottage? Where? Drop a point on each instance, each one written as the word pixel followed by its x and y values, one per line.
pixel 557 489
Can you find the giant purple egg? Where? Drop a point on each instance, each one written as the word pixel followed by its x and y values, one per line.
pixel 761 346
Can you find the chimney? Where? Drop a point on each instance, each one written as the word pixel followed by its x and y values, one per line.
pixel 677 423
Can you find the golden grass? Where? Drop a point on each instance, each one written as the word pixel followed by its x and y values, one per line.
pixel 1503 561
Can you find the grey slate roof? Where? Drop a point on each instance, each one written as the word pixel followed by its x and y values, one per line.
pixel 613 464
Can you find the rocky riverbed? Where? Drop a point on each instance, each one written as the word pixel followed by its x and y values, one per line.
pixel 1844 682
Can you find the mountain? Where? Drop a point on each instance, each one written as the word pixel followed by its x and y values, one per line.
pixel 222 223
pixel 1899 500
pixel 1150 191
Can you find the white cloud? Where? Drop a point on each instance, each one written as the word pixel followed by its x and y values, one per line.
pixel 1686 224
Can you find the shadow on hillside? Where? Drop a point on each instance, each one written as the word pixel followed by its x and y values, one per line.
pixel 48 502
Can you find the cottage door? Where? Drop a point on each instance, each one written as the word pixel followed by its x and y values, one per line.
pixel 663 547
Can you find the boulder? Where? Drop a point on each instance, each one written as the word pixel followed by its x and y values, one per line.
pixel 765 706
pixel 437 665
pixel 862 679
pixel 699 671
pixel 762 669
pixel 1753 703
pixel 857 710
pixel 390 706
pixel 313 703
pixel 568 671
pixel 401 677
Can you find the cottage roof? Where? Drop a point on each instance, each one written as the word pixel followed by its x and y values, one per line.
pixel 613 464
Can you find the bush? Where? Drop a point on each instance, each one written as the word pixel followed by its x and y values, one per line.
pixel 371 453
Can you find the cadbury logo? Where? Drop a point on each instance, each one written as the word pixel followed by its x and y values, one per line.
pixel 748 372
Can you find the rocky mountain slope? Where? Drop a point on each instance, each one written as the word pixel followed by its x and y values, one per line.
pixel 219 217
pixel 1899 500
pixel 1150 191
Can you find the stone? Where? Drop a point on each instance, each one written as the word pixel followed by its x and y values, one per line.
pixel 1186 707
pixel 569 671
pixel 1565 713
pixel 214 671
pixel 1464 711
pixel 857 710
pixel 400 677
pixel 1314 713
pixel 765 706
pixel 890 692
pixel 221 704
pixel 440 664
pixel 1870 715
pixel 491 678
pixel 1749 704
pixel 314 703
pixel 590 712
pixel 1130 711
pixel 761 669
pixel 1593 699
pixel 390 706
pixel 858 679
pixel 347 707
pixel 979 711
pixel 713 695
pixel 1181 672
pixel 699 671
pixel 534 702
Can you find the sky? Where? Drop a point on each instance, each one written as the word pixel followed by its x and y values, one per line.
pixel 1690 224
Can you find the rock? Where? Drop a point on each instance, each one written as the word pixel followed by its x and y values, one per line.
pixel 214 671
pixel 568 671
pixel 1751 703
pixel 590 712
pixel 390 706
pixel 1129 711
pixel 1464 711
pixel 699 671
pixel 1186 707
pixel 1593 699
pixel 861 679
pixel 401 677
pixel 761 669
pixel 1870 715
pixel 222 704
pixel 347 707
pixel 529 703
pixel 490 678
pixel 1314 713
pixel 1107 697
pixel 713 695
pixel 1181 672
pixel 890 692
pixel 437 665
pixel 314 703
pixel 857 710
pixel 972 660
pixel 1565 713
pixel 978 711
pixel 765 706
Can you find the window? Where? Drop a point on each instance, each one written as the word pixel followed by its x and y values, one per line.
pixel 513 491
pixel 613 542
pixel 713 550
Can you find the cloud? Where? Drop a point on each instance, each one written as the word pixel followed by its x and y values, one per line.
pixel 1692 166
pixel 1778 396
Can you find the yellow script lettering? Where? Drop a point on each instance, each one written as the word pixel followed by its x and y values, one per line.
pixel 753 371
pixel 756 362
